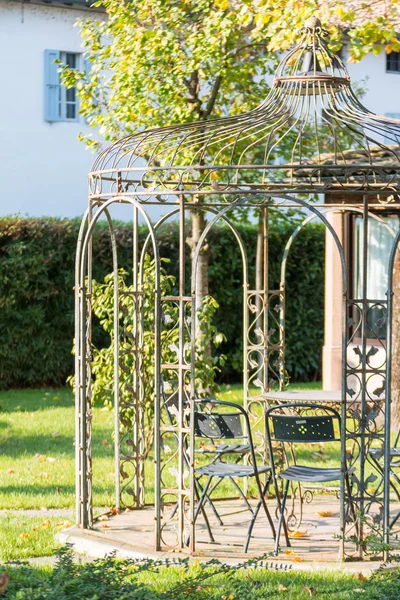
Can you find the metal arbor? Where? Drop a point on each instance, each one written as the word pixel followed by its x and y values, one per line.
pixel 331 144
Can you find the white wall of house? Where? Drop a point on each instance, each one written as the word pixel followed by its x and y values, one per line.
pixel 44 167
pixel 382 88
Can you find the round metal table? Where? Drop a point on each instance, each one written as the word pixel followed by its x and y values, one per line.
pixel 314 396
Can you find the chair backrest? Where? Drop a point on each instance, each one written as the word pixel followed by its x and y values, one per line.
pixel 219 426
pixel 299 428
pixel 303 429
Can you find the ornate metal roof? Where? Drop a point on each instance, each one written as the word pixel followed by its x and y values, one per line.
pixel 297 139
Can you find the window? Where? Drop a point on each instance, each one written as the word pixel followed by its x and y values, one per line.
pixel 380 242
pixel 393 62
pixel 68 99
pixel 60 103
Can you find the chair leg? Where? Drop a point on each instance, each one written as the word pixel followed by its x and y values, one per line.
pixel 281 516
pixel 237 486
pixel 210 502
pixel 200 505
pixel 278 500
pixel 255 514
pixel 203 512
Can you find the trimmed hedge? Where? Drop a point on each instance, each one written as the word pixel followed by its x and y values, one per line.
pixel 37 301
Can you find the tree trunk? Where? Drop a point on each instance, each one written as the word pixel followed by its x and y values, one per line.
pixel 198 226
pixel 395 387
pixel 198 222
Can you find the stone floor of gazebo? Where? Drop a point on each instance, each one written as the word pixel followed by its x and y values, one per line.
pixel 131 534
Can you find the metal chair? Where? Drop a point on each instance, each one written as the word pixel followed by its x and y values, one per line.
pixel 297 428
pixel 218 451
pixel 215 425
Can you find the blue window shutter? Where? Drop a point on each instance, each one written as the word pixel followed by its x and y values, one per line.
pixel 51 86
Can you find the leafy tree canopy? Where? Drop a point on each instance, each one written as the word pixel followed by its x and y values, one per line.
pixel 158 62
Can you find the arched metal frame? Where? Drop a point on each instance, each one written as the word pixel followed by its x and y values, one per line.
pixel 211 166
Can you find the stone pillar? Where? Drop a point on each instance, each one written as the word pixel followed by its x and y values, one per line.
pixel 332 350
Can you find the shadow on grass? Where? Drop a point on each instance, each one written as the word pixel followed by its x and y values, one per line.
pixel 27 446
pixel 50 489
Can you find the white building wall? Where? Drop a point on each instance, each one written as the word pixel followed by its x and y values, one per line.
pixel 382 88
pixel 43 165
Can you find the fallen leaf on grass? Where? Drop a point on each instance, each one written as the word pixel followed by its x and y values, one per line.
pixel 312 591
pixel 24 536
pixel 11 471
pixel 282 588
pixel 358 590
pixel 43 475
pixel 45 524
pixel 104 442
pixel 297 534
pixel 4 581
pixel 50 459
pixel 55 434
pixel 325 513
pixel 361 577
pixel 40 457
pixel 64 524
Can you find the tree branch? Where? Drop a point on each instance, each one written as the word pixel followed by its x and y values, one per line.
pixel 193 86
pixel 211 101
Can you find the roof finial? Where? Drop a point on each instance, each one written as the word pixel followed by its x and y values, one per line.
pixel 312 23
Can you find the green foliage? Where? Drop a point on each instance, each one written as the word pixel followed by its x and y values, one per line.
pixel 155 63
pixel 37 298
pixel 122 579
pixel 137 343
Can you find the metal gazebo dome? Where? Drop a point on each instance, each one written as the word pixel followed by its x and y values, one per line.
pixel 298 138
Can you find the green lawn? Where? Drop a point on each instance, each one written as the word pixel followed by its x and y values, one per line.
pixel 22 537
pixel 37 467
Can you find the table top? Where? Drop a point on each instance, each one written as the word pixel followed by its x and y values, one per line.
pixel 317 396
